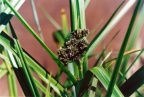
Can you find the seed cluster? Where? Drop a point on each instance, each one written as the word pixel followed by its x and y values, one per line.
pixel 73 48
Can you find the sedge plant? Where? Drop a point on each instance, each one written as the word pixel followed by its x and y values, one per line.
pixel 73 54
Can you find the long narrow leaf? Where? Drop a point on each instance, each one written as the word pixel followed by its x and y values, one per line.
pixel 36 19
pixel 109 25
pixel 86 3
pixel 104 78
pixel 12 85
pixel 24 63
pixel 73 15
pixel 38 69
pixel 41 87
pixel 53 56
pixel 50 18
pixel 135 81
pixel 6 13
pixel 122 50
pixel 124 74
pixel 134 36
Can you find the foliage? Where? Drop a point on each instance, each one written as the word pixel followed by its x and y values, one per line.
pixel 73 54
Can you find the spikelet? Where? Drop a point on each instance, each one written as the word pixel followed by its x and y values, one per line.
pixel 73 48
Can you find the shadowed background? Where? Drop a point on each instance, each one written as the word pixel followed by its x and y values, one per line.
pixel 96 11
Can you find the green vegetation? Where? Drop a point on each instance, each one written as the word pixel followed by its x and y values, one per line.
pixel 107 77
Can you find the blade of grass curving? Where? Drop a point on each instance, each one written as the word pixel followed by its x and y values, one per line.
pixel 52 55
pixel 124 74
pixel 43 74
pixel 104 78
pixel 134 36
pixel 86 3
pixel 64 22
pixel 50 18
pixel 136 80
pixel 105 58
pixel 126 53
pixel 109 25
pixel 36 19
pixel 12 84
pixel 110 62
pixel 4 57
pixel 35 66
pixel 20 75
pixel 122 50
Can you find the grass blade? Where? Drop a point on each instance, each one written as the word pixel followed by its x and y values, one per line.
pixel 104 78
pixel 124 74
pixel 36 19
pixel 43 74
pixel 93 87
pixel 47 94
pixel 108 26
pixel 122 49
pixel 50 18
pixel 12 85
pixel 52 55
pixel 6 13
pixel 134 36
pixel 24 63
pixel 136 80
pixel 35 66
pixel 73 15
pixel 41 87
pixel 86 3
pixel 104 50
pixel 81 13
pixel 85 83
pixel 95 28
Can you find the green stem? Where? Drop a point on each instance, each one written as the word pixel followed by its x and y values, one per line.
pixel 73 15
pixel 80 67
pixel 12 85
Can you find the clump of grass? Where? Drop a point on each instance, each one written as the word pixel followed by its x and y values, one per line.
pixel 73 54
